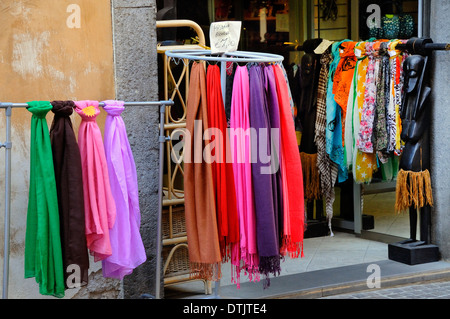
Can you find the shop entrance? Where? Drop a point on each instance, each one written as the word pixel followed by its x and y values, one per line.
pixel 361 211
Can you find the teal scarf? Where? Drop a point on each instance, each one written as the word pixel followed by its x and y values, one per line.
pixel 43 255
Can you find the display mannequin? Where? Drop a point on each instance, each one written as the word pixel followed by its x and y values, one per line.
pixel 414 193
pixel 415 161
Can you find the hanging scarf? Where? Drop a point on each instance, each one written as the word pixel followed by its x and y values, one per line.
pixel 365 139
pixel 126 243
pixel 395 97
pixel 334 137
pixel 380 129
pixel 343 77
pixel 291 169
pixel 69 185
pixel 328 170
pixel 274 116
pixel 363 164
pixel 200 207
pixel 307 113
pixel 222 171
pixel 99 205
pixel 43 253
pixel 262 176
pixel 240 140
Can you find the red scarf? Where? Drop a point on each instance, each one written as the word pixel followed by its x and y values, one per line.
pixel 292 176
pixel 222 170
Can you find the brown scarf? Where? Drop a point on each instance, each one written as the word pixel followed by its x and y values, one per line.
pixel 200 209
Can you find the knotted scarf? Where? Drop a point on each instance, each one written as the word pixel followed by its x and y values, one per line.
pixel 292 176
pixel 241 140
pixel 363 164
pixel 126 243
pixel 262 175
pixel 334 132
pixel 343 76
pixel 200 207
pixel 222 171
pixel 43 253
pixel 328 170
pixel 365 138
pixel 99 205
pixel 69 185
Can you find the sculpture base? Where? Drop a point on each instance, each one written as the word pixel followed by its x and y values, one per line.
pixel 413 252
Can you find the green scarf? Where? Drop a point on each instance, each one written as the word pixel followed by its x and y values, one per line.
pixel 43 255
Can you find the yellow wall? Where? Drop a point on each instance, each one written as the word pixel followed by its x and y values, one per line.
pixel 46 55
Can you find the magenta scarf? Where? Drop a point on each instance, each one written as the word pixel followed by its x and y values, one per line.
pixel 100 208
pixel 240 145
pixel 127 248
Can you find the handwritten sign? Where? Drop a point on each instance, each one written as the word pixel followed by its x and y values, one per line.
pixel 224 36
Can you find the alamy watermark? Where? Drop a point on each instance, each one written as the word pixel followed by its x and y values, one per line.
pixel 234 145
pixel 374 279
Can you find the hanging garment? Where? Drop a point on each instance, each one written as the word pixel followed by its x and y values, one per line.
pixel 222 171
pixel 310 69
pixel 291 169
pixel 263 176
pixel 380 129
pixel 328 170
pixel 128 251
pixel 99 205
pixel 365 139
pixel 274 117
pixel 43 253
pixel 343 77
pixel 240 141
pixel 200 207
pixel 395 98
pixel 69 185
pixel 363 164
pixel 334 137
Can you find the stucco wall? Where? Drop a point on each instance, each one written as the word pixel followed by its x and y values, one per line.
pixel 49 50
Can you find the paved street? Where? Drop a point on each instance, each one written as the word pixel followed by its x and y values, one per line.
pixel 434 290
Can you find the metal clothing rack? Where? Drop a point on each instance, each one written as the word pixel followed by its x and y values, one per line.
pixel 236 57
pixel 8 149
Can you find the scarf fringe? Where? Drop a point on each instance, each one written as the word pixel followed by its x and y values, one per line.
pixel 269 265
pixel 311 179
pixel 250 265
pixel 204 271
pixel 293 249
pixel 413 190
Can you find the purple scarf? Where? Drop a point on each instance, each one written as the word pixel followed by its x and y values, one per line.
pixel 263 181
pixel 126 242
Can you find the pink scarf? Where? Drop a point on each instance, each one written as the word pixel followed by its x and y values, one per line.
pixel 100 209
pixel 291 172
pixel 240 145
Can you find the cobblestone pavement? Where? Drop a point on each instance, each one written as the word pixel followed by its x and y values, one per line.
pixel 433 290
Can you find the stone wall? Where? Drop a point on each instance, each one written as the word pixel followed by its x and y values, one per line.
pixel 440 130
pixel 136 79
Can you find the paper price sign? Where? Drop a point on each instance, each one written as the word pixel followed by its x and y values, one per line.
pixel 224 36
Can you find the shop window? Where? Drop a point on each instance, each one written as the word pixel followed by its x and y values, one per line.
pixel 388 19
pixel 331 20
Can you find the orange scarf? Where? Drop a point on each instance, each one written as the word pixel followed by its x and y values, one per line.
pixel 200 207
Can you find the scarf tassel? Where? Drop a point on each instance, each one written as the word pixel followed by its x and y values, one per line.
pixel 294 249
pixel 205 271
pixel 413 190
pixel 269 265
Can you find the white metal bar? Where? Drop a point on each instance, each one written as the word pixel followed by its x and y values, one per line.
pixel 8 146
